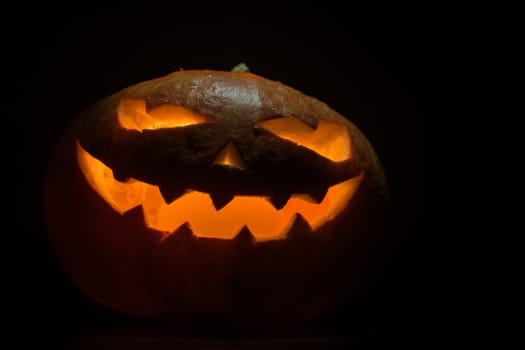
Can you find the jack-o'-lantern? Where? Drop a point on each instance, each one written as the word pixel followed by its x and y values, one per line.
pixel 214 194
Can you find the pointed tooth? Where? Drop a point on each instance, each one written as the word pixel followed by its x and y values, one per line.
pixel 279 200
pixel 120 176
pixel 300 228
pixel 184 231
pixel 170 194
pixel 319 193
pixel 220 200
pixel 244 236
pixel 136 213
pixel 182 234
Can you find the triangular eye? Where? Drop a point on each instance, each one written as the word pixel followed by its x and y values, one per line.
pixel 132 115
pixel 329 140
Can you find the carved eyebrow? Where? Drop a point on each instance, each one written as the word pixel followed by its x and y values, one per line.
pixel 132 115
pixel 329 140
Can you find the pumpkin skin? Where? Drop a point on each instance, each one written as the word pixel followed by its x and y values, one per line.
pixel 123 262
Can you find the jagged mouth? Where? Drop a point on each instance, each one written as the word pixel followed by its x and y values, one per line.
pixel 200 212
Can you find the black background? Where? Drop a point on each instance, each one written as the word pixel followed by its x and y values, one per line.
pixel 407 74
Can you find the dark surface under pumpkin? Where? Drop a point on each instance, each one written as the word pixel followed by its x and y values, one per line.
pixel 120 262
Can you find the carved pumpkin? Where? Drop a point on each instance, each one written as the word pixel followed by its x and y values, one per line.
pixel 214 194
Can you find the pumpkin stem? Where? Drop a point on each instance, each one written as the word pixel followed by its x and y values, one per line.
pixel 240 68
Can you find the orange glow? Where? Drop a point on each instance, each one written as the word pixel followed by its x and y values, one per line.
pixel 230 156
pixel 132 114
pixel 263 220
pixel 329 140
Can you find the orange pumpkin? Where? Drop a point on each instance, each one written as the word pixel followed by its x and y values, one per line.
pixel 214 194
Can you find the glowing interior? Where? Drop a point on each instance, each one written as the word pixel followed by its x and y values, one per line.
pixel 329 140
pixel 229 156
pixel 263 220
pixel 132 115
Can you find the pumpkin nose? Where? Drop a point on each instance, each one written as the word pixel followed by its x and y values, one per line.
pixel 229 156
